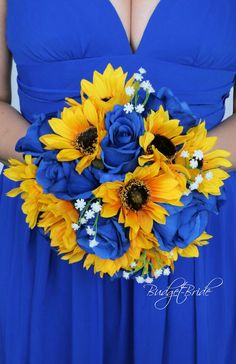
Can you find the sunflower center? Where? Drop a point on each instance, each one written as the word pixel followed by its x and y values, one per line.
pixel 106 99
pixel 87 140
pixel 134 195
pixel 164 145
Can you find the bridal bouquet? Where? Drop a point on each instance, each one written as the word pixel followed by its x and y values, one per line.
pixel 122 178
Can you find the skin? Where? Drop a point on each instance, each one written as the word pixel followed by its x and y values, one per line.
pixel 134 15
pixel 12 124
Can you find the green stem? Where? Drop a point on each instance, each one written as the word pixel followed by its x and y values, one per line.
pixel 136 86
pixel 146 98
pixel 96 221
pixel 87 207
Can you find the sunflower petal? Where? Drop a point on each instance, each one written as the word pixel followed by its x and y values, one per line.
pixel 110 210
pixel 55 142
pixel 66 155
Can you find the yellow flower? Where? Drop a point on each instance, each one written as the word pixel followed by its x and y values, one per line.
pixel 191 251
pixel 137 197
pixel 195 154
pixel 30 191
pixel 162 136
pixel 44 210
pixel 78 135
pixel 19 171
pixel 32 194
pixel 160 141
pixel 57 218
pixel 107 88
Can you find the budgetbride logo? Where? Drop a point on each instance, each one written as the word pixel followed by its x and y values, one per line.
pixel 179 291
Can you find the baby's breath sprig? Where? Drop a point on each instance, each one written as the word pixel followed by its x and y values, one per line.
pixel 143 269
pixel 195 161
pixel 133 91
pixel 88 210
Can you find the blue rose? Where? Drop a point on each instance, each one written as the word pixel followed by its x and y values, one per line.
pixel 120 147
pixel 104 176
pixel 112 238
pixel 177 109
pixel 61 179
pixel 186 223
pixel 30 143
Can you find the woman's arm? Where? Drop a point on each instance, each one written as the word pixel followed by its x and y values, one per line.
pixel 226 133
pixel 12 124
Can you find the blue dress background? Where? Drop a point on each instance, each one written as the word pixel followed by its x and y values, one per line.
pixel 55 313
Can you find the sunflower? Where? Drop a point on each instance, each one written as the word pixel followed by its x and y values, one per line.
pixel 57 219
pixel 202 163
pixel 136 198
pixel 162 137
pixel 55 216
pixel 160 142
pixel 33 203
pixel 191 251
pixel 31 192
pixel 20 171
pixel 107 88
pixel 78 135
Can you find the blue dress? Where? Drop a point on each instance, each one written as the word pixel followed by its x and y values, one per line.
pixel 55 313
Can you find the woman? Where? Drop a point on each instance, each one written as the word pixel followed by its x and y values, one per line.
pixel 53 312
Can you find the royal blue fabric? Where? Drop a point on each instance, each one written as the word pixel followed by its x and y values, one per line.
pixel 55 313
